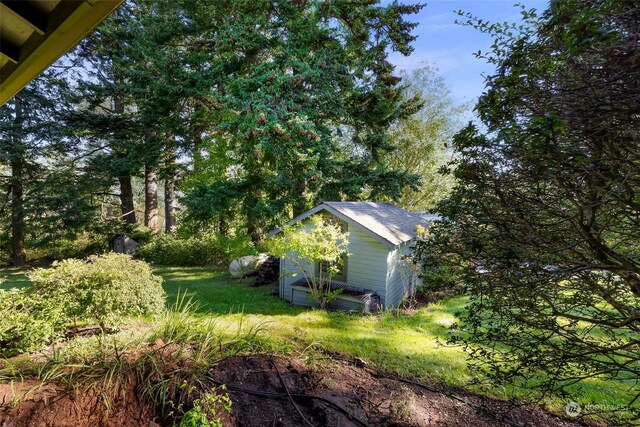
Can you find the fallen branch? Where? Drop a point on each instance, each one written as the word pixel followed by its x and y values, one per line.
pixel 293 402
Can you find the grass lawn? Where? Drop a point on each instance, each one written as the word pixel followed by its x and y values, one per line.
pixel 13 278
pixel 410 344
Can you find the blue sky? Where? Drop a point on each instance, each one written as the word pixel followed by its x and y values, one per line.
pixel 449 47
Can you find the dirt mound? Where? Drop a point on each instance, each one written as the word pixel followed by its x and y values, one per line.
pixel 365 398
pixel 29 403
pixel 262 388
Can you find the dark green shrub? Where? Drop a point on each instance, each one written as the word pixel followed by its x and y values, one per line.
pixel 201 250
pixel 82 246
pixel 170 249
pixel 104 288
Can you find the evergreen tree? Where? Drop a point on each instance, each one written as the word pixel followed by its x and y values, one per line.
pixel 45 197
pixel 291 76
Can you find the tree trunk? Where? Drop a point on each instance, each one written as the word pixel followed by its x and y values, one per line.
pixel 18 250
pixel 151 198
pixel 197 154
pixel 170 187
pixel 254 219
pixel 126 189
pixel 223 225
pixel 126 199
pixel 256 232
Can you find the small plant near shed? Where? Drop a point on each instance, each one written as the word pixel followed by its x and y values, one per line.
pixel 323 243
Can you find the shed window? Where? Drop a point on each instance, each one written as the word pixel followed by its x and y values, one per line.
pixel 340 275
pixel 341 266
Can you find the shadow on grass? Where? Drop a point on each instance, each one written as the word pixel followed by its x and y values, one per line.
pixel 13 278
pixel 217 293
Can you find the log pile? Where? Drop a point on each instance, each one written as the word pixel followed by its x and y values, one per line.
pixel 269 272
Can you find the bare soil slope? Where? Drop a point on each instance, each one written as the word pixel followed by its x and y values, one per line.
pixel 344 395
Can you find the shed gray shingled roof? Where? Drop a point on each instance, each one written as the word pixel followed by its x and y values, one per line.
pixel 388 222
pixel 393 224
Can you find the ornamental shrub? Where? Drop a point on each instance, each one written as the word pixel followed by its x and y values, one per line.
pixel 103 288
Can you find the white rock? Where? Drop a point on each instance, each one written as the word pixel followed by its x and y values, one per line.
pixel 246 265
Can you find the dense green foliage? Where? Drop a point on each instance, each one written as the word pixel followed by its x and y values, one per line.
pixel 251 111
pixel 103 289
pixel 27 321
pixel 199 250
pixel 317 248
pixel 543 226
pixel 422 141
pixel 47 198
pixel 306 95
pixel 169 249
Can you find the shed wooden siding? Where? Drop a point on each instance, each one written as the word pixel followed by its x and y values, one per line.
pixel 366 267
pixel 367 264
pixel 400 275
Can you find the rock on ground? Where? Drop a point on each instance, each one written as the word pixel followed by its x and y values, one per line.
pixel 247 265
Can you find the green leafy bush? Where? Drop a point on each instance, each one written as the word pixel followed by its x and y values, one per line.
pixel 82 246
pixel 28 321
pixel 170 249
pixel 103 288
pixel 206 249
pixel 205 411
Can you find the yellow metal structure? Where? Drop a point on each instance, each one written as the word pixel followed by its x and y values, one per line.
pixel 35 33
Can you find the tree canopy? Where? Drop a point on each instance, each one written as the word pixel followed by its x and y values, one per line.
pixel 300 81
pixel 544 223
pixel 248 111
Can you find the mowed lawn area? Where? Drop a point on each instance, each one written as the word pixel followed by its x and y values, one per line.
pixel 409 343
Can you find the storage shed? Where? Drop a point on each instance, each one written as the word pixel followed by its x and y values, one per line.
pixel 376 274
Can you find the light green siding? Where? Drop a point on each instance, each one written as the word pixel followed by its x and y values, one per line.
pixel 371 265
pixel 401 279
pixel 367 264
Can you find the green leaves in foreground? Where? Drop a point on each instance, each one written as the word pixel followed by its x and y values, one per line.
pixel 103 289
